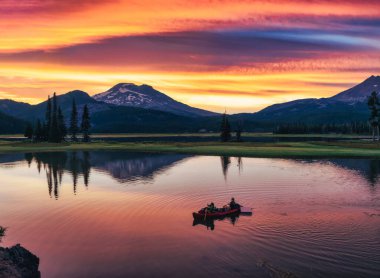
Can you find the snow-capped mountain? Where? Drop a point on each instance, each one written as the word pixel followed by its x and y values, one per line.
pixel 144 96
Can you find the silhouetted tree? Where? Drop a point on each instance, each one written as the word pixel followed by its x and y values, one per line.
pixel 61 125
pixel 74 122
pixel 38 131
pixel 86 124
pixel 373 105
pixel 28 131
pixel 239 130
pixel 47 125
pixel 225 129
pixel 54 134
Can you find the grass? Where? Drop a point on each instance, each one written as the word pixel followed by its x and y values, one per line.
pixel 292 149
pixel 246 134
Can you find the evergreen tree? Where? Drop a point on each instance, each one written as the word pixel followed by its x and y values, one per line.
pixel 373 105
pixel 225 129
pixel 74 122
pixel 47 125
pixel 54 134
pixel 86 124
pixel 239 130
pixel 29 131
pixel 38 131
pixel 61 125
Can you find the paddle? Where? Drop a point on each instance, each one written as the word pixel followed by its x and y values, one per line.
pixel 245 210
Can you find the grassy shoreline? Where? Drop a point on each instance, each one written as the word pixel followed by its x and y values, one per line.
pixel 245 134
pixel 353 149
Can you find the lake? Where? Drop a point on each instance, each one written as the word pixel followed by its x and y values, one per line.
pixel 121 214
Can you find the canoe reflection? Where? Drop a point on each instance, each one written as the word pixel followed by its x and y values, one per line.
pixel 210 223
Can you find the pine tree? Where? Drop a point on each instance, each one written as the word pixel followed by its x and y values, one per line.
pixel 47 124
pixel 239 130
pixel 38 131
pixel 74 122
pixel 86 124
pixel 54 135
pixel 225 129
pixel 61 125
pixel 373 105
pixel 29 131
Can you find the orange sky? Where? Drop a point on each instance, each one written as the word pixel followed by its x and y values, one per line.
pixel 239 55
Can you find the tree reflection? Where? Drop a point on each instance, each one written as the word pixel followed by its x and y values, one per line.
pixel 373 172
pixel 124 167
pixel 226 162
pixel 56 163
pixel 369 169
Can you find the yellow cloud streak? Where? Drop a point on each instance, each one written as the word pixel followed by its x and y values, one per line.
pixel 237 92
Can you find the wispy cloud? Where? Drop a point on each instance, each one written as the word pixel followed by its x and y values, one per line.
pixel 260 51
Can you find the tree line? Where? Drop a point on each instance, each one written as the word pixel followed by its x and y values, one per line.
pixel 54 130
pixel 361 127
pixel 303 128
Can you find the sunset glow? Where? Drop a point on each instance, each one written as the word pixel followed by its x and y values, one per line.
pixel 239 55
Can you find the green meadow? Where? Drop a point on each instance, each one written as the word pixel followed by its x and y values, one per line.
pixel 291 149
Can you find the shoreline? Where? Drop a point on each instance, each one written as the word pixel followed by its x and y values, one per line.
pixel 212 134
pixel 348 149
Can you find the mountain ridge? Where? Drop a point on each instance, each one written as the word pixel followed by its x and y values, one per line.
pixel 145 96
pixel 347 106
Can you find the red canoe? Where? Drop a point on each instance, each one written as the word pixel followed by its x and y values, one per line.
pixel 201 214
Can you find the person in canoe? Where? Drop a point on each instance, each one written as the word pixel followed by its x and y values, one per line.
pixel 211 208
pixel 233 204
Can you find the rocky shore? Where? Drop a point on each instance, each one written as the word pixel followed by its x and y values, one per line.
pixel 17 262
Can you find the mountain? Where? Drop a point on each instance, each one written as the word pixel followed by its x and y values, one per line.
pixel 144 96
pixel 11 125
pixel 360 92
pixel 347 106
pixel 33 112
pixel 130 108
pixel 108 118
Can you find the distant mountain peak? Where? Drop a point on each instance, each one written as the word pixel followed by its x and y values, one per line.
pixel 76 93
pixel 145 96
pixel 360 92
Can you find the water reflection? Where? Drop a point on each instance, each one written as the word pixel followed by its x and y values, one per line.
pixel 210 223
pixel 126 167
pixel 123 167
pixel 143 167
pixel 226 162
pixel 313 218
pixel 367 168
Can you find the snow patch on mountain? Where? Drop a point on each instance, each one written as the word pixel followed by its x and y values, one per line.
pixel 144 96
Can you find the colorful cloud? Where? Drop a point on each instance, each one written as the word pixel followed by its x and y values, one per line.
pixel 242 55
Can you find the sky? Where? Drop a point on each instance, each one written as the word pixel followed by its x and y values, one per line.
pixel 218 54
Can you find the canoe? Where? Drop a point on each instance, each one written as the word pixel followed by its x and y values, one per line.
pixel 201 214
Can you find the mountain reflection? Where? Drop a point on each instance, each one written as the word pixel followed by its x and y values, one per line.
pixel 123 167
pixel 367 168
pixel 127 167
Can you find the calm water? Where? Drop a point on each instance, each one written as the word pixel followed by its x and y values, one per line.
pixel 115 214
